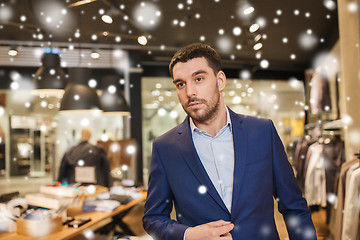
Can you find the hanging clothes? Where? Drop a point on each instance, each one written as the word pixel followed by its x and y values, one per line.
pixel 333 153
pixel 350 228
pixel 301 150
pixel 315 179
pixel 319 92
pixel 336 223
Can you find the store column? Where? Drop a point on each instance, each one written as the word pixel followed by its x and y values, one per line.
pixel 135 74
pixel 348 11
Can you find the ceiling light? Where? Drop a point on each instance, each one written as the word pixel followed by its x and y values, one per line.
pixel 257 46
pixel 109 15
pixel 13 51
pixel 78 95
pixel 244 9
pixel 264 63
pixel 49 79
pixel 79 3
pixel 95 54
pixel 142 40
pixel 248 10
pixel 254 27
pixel 257 38
pixel 107 19
pixel 112 99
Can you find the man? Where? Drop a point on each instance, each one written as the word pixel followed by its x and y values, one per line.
pixel 85 156
pixel 221 170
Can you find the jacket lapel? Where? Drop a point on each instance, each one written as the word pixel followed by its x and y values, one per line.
pixel 192 159
pixel 240 137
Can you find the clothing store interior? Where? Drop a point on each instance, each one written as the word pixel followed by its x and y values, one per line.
pixel 85 89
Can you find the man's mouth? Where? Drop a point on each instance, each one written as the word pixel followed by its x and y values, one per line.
pixel 194 105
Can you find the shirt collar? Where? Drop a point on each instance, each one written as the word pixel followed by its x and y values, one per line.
pixel 228 122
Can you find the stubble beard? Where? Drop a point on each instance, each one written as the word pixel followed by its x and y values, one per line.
pixel 210 111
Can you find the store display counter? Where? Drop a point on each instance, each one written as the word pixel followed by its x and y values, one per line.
pixel 68 232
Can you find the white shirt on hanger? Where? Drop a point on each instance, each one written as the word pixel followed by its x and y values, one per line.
pixel 315 179
pixel 350 230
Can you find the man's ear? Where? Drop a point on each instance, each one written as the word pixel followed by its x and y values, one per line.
pixel 221 80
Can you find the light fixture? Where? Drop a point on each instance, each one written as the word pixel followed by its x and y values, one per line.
pixel 257 46
pixel 254 27
pixel 107 19
pixel 257 38
pixel 142 40
pixel 112 99
pixel 79 3
pixel 13 51
pixel 78 95
pixel 94 54
pixel 108 16
pixel 49 79
pixel 245 9
pixel 248 9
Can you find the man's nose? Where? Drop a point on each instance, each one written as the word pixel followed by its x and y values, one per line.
pixel 191 90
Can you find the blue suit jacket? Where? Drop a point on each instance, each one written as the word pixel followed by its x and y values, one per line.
pixel 261 172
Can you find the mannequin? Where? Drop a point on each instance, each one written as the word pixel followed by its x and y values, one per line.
pixel 87 159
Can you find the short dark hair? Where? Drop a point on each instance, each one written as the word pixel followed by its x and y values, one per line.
pixel 197 50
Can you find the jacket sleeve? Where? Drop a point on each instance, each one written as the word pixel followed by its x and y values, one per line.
pixel 105 167
pixel 159 204
pixel 62 170
pixel 287 193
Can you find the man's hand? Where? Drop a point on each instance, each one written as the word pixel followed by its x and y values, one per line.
pixel 210 231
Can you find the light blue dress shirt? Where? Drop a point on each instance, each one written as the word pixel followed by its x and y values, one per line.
pixel 217 156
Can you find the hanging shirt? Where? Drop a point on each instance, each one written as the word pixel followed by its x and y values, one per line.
pixel 217 157
pixel 315 180
pixel 319 92
pixel 350 228
pixel 349 173
pixel 336 224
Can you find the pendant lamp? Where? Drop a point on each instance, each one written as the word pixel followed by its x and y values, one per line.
pixel 49 79
pixel 112 99
pixel 78 95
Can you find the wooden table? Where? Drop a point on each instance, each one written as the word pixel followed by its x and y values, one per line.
pixel 67 232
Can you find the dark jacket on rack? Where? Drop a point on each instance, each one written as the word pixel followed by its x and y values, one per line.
pixel 301 150
pixel 334 156
pixel 319 92
pixel 94 156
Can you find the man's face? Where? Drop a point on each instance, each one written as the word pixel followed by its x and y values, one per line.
pixel 198 88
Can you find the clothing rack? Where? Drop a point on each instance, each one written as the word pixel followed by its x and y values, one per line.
pixel 313 125
pixel 325 128
pixel 326 125
pixel 334 125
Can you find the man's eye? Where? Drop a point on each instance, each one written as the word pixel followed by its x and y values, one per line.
pixel 180 84
pixel 198 79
